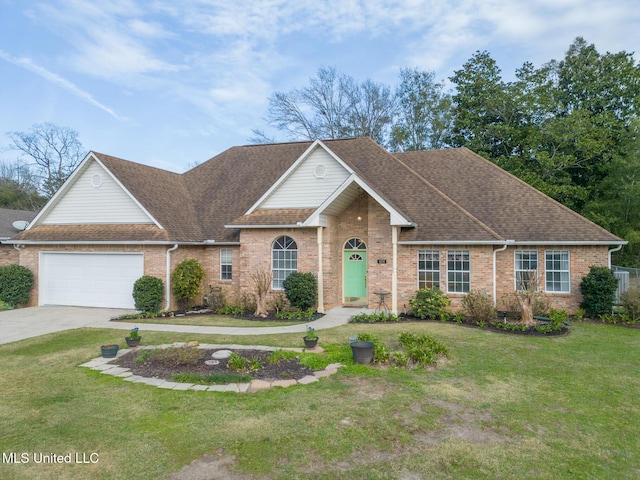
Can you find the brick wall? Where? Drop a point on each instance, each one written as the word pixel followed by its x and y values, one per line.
pixel 581 258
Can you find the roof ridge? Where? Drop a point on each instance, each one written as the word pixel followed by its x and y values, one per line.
pixel 448 199
pixel 535 190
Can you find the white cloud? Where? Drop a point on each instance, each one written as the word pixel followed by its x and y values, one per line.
pixel 27 64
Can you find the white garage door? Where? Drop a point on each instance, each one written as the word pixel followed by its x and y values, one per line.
pixel 89 279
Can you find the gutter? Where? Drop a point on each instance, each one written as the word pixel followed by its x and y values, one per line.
pixel 168 281
pixel 617 249
pixel 495 255
pixel 511 242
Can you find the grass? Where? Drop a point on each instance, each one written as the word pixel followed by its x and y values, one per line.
pixel 213 321
pixel 501 407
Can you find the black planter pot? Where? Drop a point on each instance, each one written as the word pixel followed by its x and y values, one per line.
pixel 109 351
pixel 362 352
pixel 310 343
pixel 133 342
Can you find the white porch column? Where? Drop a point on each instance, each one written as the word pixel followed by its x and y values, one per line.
pixel 320 274
pixel 394 270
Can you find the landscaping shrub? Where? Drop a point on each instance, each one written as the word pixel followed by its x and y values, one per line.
pixel 479 306
pixel 379 317
pixel 301 290
pixel 430 303
pixel 16 283
pixel 185 281
pixel 422 349
pixel 598 290
pixel 147 294
pixel 381 352
pixel 631 303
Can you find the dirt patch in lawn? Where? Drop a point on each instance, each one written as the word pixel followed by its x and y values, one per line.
pixel 165 363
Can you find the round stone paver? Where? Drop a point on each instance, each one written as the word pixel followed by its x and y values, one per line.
pixel 221 354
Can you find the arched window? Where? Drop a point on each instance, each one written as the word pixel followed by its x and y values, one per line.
pixel 284 260
pixel 355 244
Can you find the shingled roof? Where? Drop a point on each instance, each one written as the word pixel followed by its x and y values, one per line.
pixel 449 195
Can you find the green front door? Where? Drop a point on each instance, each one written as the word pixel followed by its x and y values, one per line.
pixel 355 276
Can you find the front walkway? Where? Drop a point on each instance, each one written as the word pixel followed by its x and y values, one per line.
pixel 333 318
pixel 35 321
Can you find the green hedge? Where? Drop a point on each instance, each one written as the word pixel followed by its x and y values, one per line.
pixel 16 283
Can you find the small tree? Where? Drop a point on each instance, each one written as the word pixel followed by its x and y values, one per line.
pixel 598 290
pixel 526 295
pixel 16 282
pixel 147 293
pixel 185 281
pixel 262 283
pixel 301 290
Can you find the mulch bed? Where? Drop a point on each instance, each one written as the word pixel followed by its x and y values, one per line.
pixel 290 369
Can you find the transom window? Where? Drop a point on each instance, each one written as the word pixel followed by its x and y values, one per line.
pixel 284 260
pixel 355 257
pixel 428 269
pixel 226 269
pixel 557 271
pixel 526 268
pixel 355 244
pixel 458 271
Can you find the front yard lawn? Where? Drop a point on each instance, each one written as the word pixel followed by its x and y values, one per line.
pixel 501 406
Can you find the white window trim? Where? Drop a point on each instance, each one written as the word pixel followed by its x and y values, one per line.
pixel 468 252
pixel 228 251
pixel 273 269
pixel 516 270
pixel 422 250
pixel 558 292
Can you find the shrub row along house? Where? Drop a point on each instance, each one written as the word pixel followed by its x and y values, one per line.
pixel 362 219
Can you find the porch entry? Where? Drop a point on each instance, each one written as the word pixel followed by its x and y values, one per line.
pixel 354 262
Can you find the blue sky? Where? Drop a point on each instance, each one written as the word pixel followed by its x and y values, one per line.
pixel 171 84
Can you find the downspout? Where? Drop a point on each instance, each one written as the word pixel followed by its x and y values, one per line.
pixel 617 249
pixel 394 270
pixel 320 274
pixel 168 282
pixel 495 254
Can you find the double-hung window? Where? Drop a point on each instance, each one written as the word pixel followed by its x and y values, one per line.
pixel 428 269
pixel 526 268
pixel 557 271
pixel 458 271
pixel 226 264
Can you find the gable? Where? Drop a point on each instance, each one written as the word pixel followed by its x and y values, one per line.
pixel 95 197
pixel 310 182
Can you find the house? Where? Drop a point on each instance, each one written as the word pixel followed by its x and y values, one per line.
pixel 12 222
pixel 363 220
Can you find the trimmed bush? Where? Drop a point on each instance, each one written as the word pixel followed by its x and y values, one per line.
pixel 16 283
pixel 430 303
pixel 301 290
pixel 185 281
pixel 598 290
pixel 479 307
pixel 147 294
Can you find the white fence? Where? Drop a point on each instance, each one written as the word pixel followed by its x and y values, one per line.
pixel 627 278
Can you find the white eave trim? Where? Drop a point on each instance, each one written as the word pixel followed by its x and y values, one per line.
pixel 113 242
pixel 62 190
pixel 395 217
pixel 509 242
pixel 293 167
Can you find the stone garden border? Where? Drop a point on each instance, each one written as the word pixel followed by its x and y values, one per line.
pixel 105 366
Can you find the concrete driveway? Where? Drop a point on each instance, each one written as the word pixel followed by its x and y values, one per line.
pixel 30 322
